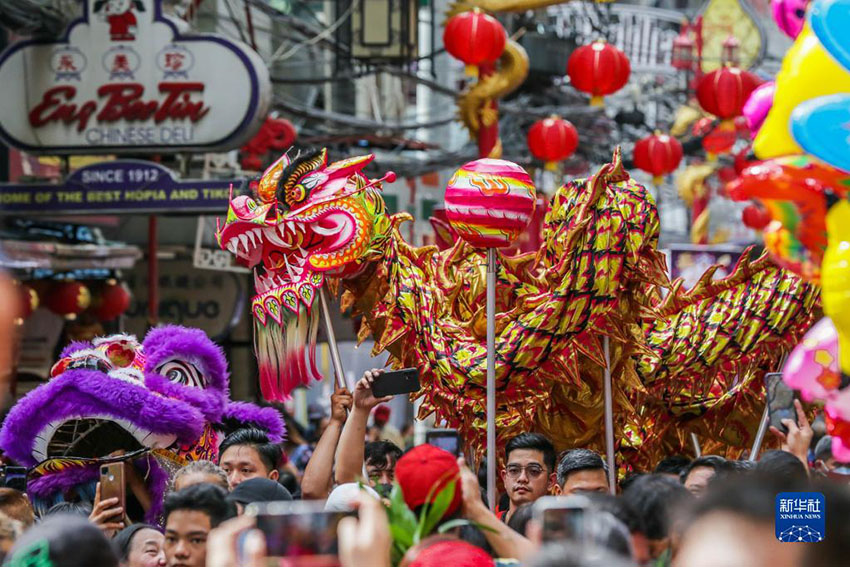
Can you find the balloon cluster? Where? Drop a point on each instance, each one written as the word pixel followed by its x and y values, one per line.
pixel 800 132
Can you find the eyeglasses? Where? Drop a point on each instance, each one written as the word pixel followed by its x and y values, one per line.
pixel 532 471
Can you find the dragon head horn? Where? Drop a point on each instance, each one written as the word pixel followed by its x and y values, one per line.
pixel 616 172
pixel 299 166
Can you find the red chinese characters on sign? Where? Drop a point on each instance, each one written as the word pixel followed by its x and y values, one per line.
pixel 120 64
pixel 122 102
pixel 174 61
pixel 66 63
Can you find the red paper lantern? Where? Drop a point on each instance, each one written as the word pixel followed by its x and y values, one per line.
pixel 475 38
pixel 68 299
pixel 658 155
pixel 552 139
pixel 755 217
pixel 598 69
pixel 114 299
pixel 724 91
pixel 28 302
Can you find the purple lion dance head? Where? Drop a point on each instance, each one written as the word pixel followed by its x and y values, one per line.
pixel 155 405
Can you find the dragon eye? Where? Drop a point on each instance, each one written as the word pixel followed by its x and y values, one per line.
pixel 296 195
pixel 181 372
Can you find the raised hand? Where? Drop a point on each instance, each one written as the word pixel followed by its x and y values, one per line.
pixel 341 402
pixel 365 542
pixel 364 399
pixel 106 514
pixel 799 435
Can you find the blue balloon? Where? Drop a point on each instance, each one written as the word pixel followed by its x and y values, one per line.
pixel 830 20
pixel 822 127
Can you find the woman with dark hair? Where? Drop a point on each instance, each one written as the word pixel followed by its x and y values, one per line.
pixel 140 545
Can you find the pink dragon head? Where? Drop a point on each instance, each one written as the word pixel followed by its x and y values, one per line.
pixel 303 220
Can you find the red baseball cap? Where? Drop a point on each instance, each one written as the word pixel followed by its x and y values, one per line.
pixel 422 469
pixel 454 553
pixel 383 412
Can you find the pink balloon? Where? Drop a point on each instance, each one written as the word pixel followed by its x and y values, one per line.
pixel 812 366
pixel 489 202
pixel 758 105
pixel 790 15
pixel 838 404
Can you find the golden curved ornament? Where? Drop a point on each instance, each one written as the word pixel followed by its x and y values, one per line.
pixel 476 102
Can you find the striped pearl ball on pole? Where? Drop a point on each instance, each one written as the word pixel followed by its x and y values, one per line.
pixel 490 202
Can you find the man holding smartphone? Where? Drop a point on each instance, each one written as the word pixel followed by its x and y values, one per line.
pixel 381 460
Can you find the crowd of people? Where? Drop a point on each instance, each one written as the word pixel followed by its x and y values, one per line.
pixel 704 512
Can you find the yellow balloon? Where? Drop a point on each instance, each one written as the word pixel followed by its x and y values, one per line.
pixel 835 278
pixel 808 71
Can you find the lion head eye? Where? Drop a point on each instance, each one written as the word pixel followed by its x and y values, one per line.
pixel 90 362
pixel 182 372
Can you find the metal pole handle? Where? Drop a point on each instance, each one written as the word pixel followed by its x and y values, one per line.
pixel 491 378
pixel 609 420
pixel 339 375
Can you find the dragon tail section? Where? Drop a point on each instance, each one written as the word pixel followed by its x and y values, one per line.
pixel 710 346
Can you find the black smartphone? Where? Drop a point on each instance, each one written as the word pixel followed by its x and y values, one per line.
pixel 445 439
pixel 299 531
pixel 780 401
pixel 15 477
pixel 396 382
pixel 562 518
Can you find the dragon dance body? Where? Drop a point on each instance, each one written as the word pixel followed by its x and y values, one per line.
pixel 155 405
pixel 678 357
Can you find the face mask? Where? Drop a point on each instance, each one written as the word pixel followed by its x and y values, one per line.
pixel 384 490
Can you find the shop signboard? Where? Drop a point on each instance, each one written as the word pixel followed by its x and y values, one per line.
pixel 212 301
pixel 123 79
pixel 114 187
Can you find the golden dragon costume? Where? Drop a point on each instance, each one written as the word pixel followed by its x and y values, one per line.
pixel 684 361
